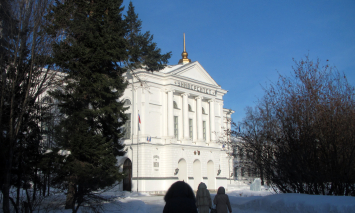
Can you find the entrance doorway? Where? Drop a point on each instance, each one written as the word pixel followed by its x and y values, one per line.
pixel 127 170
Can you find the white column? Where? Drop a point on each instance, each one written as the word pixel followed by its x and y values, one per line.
pixel 199 119
pixel 221 130
pixel 170 114
pixel 185 114
pixel 212 127
pixel 132 114
pixel 135 113
pixel 208 136
pixel 143 113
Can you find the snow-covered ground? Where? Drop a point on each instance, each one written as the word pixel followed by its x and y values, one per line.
pixel 242 201
pixel 245 201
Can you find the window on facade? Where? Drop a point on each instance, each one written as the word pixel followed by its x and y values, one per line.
pixel 127 126
pixel 204 129
pixel 175 105
pixel 203 111
pixel 127 102
pixel 190 129
pixel 190 109
pixel 241 154
pixel 176 130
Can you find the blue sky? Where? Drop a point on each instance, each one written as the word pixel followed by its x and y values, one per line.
pixel 246 44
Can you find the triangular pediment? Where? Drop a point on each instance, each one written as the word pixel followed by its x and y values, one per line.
pixel 195 72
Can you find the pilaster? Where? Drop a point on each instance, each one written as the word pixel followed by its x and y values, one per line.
pixel 170 114
pixel 199 118
pixel 185 118
pixel 212 121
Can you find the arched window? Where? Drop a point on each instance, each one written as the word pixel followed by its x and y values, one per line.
pixel 127 102
pixel 190 109
pixel 175 105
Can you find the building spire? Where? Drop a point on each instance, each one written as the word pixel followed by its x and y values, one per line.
pixel 184 44
pixel 184 55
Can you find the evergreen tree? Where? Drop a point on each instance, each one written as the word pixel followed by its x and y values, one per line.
pixel 92 41
pixel 92 45
pixel 142 51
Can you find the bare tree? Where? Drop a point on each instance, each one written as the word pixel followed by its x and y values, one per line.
pixel 302 132
pixel 252 144
pixel 25 74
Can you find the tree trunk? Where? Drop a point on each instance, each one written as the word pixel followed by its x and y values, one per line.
pixel 19 177
pixel 28 203
pixel 6 193
pixel 25 205
pixel 70 201
pixel 44 185
pixel 262 176
pixel 35 184
pixel 80 198
pixel 49 176
pixel 7 182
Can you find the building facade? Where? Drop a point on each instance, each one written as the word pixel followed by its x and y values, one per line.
pixel 176 120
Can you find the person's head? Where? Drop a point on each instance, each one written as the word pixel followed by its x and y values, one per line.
pixel 202 185
pixel 221 190
pixel 179 189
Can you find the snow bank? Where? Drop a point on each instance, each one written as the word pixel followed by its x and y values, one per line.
pixel 293 203
pixel 127 205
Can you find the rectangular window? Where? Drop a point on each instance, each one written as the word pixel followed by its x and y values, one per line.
pixel 204 129
pixel 241 154
pixel 176 130
pixel 190 129
pixel 127 126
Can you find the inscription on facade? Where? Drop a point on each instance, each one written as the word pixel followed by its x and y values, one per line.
pixel 195 87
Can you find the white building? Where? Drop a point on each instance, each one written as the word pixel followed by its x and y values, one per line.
pixel 182 117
